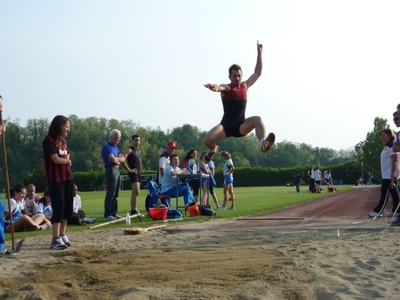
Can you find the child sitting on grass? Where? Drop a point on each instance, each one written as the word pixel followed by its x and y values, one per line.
pixel 20 221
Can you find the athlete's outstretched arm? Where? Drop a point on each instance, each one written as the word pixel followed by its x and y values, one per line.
pixel 216 88
pixel 258 69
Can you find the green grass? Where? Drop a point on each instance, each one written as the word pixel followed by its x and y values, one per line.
pixel 250 201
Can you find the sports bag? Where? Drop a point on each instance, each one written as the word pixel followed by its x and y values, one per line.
pixel 206 210
pixel 78 218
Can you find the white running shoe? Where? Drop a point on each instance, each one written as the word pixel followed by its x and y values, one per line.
pixel 373 214
pixel 390 214
pixel 65 240
pixel 45 226
pixel 57 244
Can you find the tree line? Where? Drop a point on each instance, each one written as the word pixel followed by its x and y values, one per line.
pixel 88 135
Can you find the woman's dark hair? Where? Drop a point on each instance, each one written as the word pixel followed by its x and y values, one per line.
pixel 16 189
pixel 226 154
pixel 56 126
pixel 43 199
pixel 389 132
pixel 189 154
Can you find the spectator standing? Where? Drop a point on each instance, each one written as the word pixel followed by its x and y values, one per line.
pixel 396 148
pixel 327 177
pixel 213 184
pixel 133 164
pixel 228 170
pixel 369 178
pixel 189 163
pixel 207 184
pixel 390 170
pixel 297 181
pixel 311 179
pixel 164 160
pixel 59 178
pixel 112 159
pixel 317 178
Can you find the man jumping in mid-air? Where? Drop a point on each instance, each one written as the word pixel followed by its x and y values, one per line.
pixel 234 100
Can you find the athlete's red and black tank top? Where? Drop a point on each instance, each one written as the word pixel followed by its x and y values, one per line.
pixel 234 103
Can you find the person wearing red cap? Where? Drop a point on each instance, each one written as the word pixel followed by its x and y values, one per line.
pixel 164 161
pixel 234 100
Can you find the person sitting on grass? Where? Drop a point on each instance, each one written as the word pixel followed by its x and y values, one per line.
pixel 77 211
pixel 44 207
pixel 20 221
pixel 31 199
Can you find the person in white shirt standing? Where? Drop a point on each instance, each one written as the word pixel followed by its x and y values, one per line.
pixel 317 179
pixel 390 174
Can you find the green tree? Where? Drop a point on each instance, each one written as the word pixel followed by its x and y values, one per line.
pixel 368 151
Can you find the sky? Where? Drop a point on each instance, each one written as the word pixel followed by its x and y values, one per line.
pixel 329 67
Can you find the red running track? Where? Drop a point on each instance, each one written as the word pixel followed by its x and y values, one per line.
pixel 336 209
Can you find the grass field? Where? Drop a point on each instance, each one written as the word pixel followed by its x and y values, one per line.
pixel 249 201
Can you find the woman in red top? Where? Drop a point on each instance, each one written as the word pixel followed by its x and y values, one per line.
pixel 59 177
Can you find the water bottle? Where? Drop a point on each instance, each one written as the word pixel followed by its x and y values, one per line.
pixel 194 169
pixel 128 220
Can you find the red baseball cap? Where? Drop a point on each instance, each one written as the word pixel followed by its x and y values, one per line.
pixel 171 145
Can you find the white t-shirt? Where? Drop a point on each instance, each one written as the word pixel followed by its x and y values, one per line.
pixel 77 203
pixel 163 162
pixel 168 181
pixel 16 211
pixel 28 203
pixel 228 163
pixel 327 175
pixel 46 210
pixel 317 175
pixel 386 163
pixel 191 163
pixel 211 166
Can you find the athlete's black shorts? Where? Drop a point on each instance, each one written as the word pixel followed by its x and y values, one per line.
pixel 232 128
pixel 133 177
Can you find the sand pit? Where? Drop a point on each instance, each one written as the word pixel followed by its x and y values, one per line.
pixel 218 259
